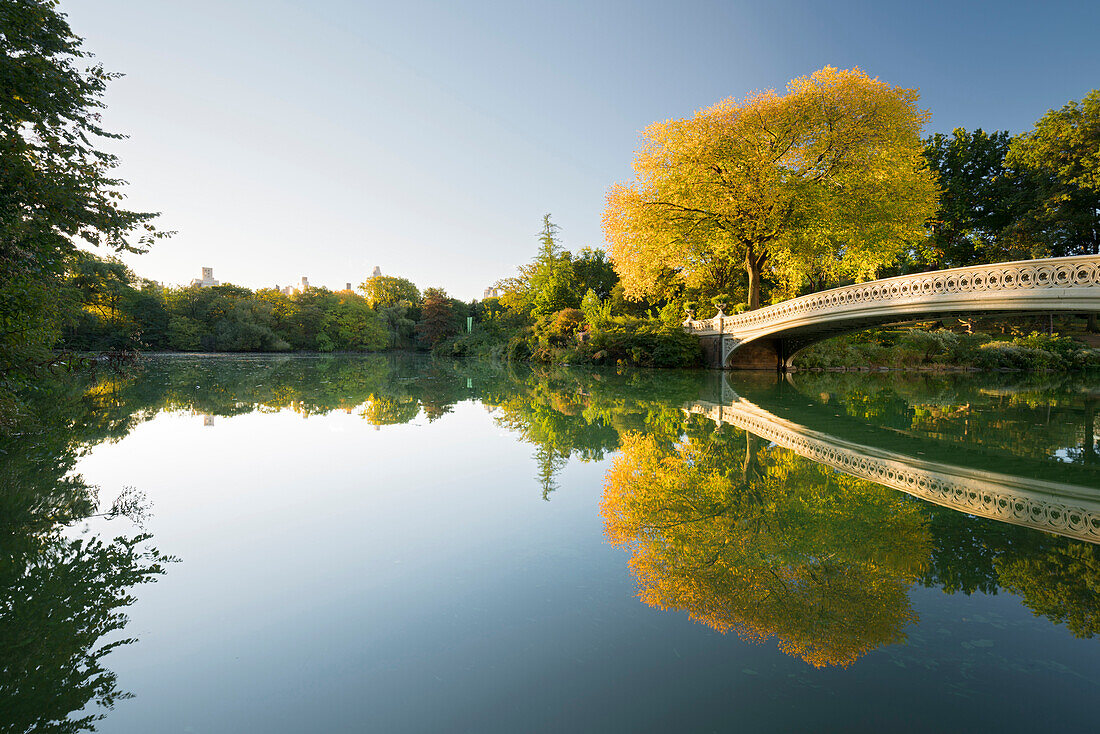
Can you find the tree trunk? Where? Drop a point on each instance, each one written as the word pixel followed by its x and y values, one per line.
pixel 748 466
pixel 754 266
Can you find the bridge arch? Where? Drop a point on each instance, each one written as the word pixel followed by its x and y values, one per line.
pixel 769 337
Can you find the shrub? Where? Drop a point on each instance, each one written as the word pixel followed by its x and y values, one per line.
pixel 1061 345
pixel 597 313
pixel 518 349
pixel 1009 356
pixel 484 342
pixel 566 322
pixel 645 344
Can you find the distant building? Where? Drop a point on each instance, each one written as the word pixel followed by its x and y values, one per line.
pixel 290 290
pixel 347 287
pixel 207 279
pixel 492 292
pixel 376 273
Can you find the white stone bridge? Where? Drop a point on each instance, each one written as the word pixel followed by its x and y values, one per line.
pixel 769 337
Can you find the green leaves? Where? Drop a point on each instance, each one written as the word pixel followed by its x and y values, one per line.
pixel 56 187
pixel 1062 154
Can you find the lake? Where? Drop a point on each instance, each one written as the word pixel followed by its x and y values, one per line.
pixel 386 544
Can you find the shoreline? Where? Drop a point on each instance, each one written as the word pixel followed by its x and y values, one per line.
pixel 869 369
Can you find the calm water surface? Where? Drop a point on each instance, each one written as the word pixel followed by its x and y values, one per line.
pixel 384 545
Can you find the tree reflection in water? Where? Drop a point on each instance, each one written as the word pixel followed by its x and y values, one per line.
pixel 741 534
pixel 767 542
pixel 61 598
pixel 764 542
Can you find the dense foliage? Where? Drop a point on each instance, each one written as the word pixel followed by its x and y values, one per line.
pixel 825 181
pixel 117 311
pixel 570 309
pixel 57 188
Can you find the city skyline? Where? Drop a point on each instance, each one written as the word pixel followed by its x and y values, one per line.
pixel 207 280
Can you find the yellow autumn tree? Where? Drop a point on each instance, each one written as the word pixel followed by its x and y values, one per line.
pixel 826 181
pixel 763 542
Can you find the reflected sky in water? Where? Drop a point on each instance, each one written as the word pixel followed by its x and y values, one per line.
pixel 389 545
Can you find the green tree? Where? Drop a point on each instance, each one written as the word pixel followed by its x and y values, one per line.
pixel 388 290
pixel 548 283
pixel 247 327
pixel 981 202
pixel 597 313
pixel 103 291
pixel 149 309
pixel 56 187
pixel 1063 152
pixel 353 325
pixel 398 324
pixel 283 308
pixel 553 283
pixel 594 272
pixel 554 287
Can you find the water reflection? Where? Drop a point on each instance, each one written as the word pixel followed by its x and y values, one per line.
pixel 762 506
pixel 62 594
pixel 1070 509
pixel 768 509
pixel 754 538
pixel 762 524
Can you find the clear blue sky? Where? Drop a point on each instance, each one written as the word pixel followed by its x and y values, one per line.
pixel 283 139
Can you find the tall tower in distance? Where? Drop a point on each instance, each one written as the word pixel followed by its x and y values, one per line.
pixel 207 279
pixel 376 273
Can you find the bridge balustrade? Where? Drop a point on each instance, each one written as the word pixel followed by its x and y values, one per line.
pixel 1065 284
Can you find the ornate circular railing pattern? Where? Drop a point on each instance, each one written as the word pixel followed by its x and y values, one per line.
pixel 1016 500
pixel 1034 275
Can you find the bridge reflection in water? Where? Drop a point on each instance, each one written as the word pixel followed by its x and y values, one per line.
pixel 775 518
pixel 1072 510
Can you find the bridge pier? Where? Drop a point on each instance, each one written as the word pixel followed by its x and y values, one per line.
pixel 762 354
pixel 712 351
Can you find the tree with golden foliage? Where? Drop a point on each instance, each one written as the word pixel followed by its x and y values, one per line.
pixel 769 544
pixel 825 180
